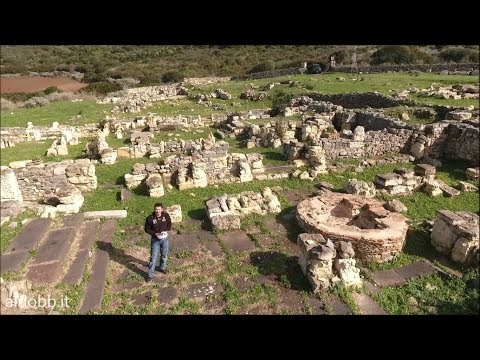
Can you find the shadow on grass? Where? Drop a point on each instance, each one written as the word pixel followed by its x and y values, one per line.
pixel 141 190
pixel 417 243
pixel 274 156
pixel 119 256
pixel 120 180
pixel 201 214
pixel 455 169
pixel 198 214
pixel 286 217
pixel 281 266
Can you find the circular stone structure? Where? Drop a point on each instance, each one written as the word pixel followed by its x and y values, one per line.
pixel 375 233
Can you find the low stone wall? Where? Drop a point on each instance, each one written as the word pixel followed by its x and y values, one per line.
pixel 205 80
pixel 201 168
pixel 372 121
pixel 268 74
pixel 36 179
pixel 457 235
pixel 448 139
pixel 387 141
pixel 361 100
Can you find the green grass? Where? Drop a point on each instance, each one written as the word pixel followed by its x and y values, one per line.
pixel 37 151
pixel 322 83
pixel 60 111
pixel 115 143
pixel 434 294
pixel 191 134
pixel 346 296
pixel 397 111
pixel 8 234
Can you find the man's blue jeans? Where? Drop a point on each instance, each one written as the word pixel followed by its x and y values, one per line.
pixel 158 248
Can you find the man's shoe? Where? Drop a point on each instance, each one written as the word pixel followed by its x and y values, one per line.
pixel 148 280
pixel 164 271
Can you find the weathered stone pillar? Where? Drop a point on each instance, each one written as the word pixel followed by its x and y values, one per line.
pixel 10 191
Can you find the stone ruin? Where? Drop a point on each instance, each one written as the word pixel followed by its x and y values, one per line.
pixel 326 264
pixel 59 146
pixel 11 136
pixel 175 212
pixel 225 211
pixel 405 181
pixel 57 186
pixel 376 233
pixel 456 234
pixel 99 149
pixel 202 168
pixel 459 91
pixel 137 99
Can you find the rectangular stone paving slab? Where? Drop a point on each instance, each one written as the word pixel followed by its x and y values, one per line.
pixel 75 272
pixel 96 284
pixel 337 306
pixel 55 246
pixel 214 247
pixel 74 221
pixel 167 295
pixel 30 236
pixel 367 305
pixel 44 273
pixel 238 240
pixel 142 299
pixel 291 300
pixel 182 242
pixel 88 235
pixel 416 269
pixel 316 307
pixel 12 261
pixel 388 278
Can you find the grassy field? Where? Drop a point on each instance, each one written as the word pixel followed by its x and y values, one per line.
pixel 38 150
pixel 61 111
pixel 435 294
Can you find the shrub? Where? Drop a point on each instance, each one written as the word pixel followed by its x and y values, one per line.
pixel 172 77
pixel 13 69
pixel 6 104
pixel 393 54
pixel 474 56
pixel 52 89
pixel 59 96
pixel 91 77
pixel 264 66
pixel 280 100
pixel 340 56
pixel 36 102
pixel 454 54
pixel 103 88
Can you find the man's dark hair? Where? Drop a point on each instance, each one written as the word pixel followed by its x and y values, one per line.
pixel 158 205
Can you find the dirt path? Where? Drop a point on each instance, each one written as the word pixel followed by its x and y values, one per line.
pixel 38 83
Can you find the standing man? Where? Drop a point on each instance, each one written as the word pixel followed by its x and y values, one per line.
pixel 157 226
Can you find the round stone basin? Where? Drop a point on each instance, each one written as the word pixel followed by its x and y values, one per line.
pixel 376 234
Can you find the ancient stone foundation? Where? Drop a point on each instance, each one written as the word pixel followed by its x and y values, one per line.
pixel 376 234
pixel 457 235
pixel 225 211
pixel 325 263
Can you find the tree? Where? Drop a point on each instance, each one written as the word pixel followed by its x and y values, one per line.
pixel 392 54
